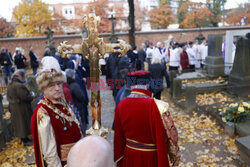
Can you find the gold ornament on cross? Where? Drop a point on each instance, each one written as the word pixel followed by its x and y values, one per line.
pixel 93 48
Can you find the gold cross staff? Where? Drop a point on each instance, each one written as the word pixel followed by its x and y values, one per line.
pixel 93 48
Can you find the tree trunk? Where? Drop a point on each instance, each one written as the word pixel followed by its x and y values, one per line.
pixel 131 19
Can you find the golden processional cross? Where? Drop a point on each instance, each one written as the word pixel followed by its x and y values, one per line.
pixel 93 48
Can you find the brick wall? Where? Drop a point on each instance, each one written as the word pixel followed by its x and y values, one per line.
pixel 180 35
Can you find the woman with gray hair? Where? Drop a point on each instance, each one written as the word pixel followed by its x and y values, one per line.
pixel 20 100
pixel 78 97
pixel 158 71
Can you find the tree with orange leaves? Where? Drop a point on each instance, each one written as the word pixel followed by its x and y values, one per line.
pixel 197 15
pixel 6 29
pixel 161 17
pixel 101 8
pixel 234 17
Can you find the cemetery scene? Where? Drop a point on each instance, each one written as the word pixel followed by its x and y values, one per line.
pixel 125 83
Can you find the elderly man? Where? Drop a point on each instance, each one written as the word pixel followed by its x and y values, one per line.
pixel 144 131
pixel 91 151
pixel 20 106
pixel 54 125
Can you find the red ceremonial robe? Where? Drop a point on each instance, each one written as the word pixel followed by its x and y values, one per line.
pixel 137 120
pixel 71 135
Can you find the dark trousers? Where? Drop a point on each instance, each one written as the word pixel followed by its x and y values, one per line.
pixel 173 68
pixel 7 71
pixel 34 70
pixel 191 68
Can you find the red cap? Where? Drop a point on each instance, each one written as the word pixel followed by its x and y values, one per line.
pixel 138 73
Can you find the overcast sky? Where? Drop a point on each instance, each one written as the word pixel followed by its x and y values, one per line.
pixel 7 6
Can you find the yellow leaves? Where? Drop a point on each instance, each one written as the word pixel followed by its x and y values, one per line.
pixel 231 147
pixel 14 154
pixel 32 18
pixel 211 98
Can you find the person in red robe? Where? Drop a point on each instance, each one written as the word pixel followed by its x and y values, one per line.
pixel 184 60
pixel 54 126
pixel 145 134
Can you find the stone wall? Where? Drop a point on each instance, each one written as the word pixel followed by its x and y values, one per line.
pixel 180 35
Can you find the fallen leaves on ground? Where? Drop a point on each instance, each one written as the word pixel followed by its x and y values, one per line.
pixel 14 154
pixel 212 98
pixel 201 81
pixel 213 147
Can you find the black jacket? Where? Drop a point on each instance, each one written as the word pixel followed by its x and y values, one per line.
pixel 158 71
pixel 19 61
pixel 5 57
pixel 33 60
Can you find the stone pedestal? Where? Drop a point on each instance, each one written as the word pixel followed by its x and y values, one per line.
pixel 177 89
pixel 244 144
pixel 190 99
pixel 172 75
pixel 230 129
pixel 239 79
pixel 214 60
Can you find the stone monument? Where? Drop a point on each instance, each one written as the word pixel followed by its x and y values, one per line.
pixel 214 61
pixel 239 79
pixel 50 42
pixel 113 38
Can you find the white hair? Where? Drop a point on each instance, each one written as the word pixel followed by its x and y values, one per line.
pixel 91 151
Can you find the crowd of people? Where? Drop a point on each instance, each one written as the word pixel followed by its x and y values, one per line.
pixel 145 134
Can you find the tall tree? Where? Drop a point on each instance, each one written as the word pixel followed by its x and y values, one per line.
pixel 216 7
pixel 181 15
pixel 32 16
pixel 131 19
pixel 161 17
pixel 235 15
pixel 6 29
pixel 198 15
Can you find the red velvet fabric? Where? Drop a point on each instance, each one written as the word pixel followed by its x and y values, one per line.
pixel 71 135
pixel 139 119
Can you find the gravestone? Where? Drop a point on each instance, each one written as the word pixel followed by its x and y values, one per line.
pixel 190 103
pixel 244 144
pixel 50 42
pixel 214 61
pixel 177 89
pixel 172 75
pixel 230 35
pixel 239 79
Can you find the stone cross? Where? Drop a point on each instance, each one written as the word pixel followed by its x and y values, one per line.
pixel 113 38
pixel 49 41
pixel 93 48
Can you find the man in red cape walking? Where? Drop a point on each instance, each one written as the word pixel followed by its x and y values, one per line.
pixel 54 126
pixel 145 135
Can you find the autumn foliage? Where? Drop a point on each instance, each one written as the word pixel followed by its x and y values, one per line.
pixel 6 29
pixel 32 17
pixel 234 17
pixel 197 15
pixel 161 17
pixel 100 8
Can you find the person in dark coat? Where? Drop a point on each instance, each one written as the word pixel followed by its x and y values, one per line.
pixel 158 71
pixel 142 54
pixel 19 59
pixel 34 60
pixel 20 106
pixel 78 97
pixel 6 64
